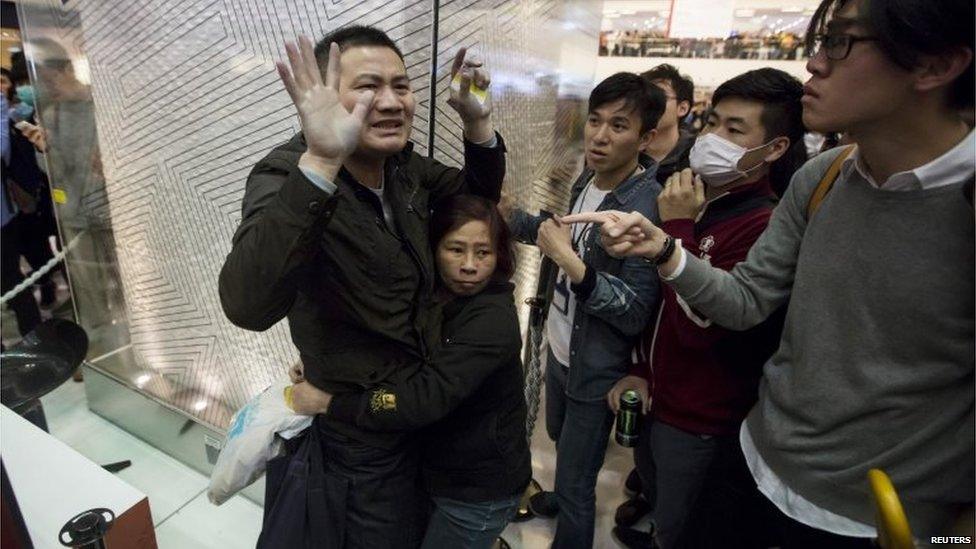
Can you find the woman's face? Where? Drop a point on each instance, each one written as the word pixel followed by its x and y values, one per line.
pixel 466 258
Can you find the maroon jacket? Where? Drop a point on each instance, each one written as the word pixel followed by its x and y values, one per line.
pixel 704 378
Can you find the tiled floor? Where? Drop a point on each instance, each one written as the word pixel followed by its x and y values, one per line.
pixel 185 519
pixel 183 516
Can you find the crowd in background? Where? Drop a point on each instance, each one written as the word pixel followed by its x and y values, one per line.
pixel 745 45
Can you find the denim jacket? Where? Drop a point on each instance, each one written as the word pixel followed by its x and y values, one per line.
pixel 624 295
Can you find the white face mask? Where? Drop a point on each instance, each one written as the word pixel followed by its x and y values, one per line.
pixel 716 160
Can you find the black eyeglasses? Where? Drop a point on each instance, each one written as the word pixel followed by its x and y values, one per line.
pixel 837 46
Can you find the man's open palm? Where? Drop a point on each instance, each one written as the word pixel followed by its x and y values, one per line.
pixel 331 131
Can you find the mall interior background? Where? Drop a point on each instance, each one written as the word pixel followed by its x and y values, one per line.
pixel 185 99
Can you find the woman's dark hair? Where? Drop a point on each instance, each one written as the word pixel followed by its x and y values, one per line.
pixel 454 211
pixel 908 29
pixel 13 85
pixel 782 115
pixel 637 93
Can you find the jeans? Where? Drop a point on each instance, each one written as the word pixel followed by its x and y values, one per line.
pixel 467 525
pixel 580 430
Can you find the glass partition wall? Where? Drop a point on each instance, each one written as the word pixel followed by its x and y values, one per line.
pixel 157 111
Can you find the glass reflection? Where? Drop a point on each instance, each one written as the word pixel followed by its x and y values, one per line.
pixel 74 165
pixel 208 369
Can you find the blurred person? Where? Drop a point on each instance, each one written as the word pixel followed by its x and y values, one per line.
pixel 469 397
pixel 7 85
pixel 875 366
pixel 36 218
pixel 17 108
pixel 334 237
pixel 596 306
pixel 23 304
pixel 18 67
pixel 68 134
pixel 702 379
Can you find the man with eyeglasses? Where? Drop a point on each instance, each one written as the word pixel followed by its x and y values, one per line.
pixel 673 140
pixel 875 366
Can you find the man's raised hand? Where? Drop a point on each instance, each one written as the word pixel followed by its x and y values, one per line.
pixel 472 105
pixel 331 131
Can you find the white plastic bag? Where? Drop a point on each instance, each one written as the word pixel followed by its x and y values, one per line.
pixel 251 442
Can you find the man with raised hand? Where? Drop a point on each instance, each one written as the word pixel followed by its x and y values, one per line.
pixel 873 245
pixel 334 236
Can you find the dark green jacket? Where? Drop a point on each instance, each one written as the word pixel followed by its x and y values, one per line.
pixel 356 294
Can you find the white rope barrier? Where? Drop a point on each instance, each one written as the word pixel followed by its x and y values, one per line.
pixel 40 272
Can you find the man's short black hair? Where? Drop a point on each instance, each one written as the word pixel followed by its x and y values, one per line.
pixel 18 68
pixel 908 29
pixel 682 84
pixel 350 37
pixel 782 115
pixel 637 93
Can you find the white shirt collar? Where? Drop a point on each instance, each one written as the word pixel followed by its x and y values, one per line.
pixel 951 167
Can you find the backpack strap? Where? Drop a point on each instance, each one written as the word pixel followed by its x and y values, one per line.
pixel 827 182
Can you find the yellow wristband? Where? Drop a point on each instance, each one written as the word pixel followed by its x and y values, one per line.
pixel 290 398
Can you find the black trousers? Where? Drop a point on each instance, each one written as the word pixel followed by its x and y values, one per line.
pixel 24 306
pixel 367 497
pixel 675 467
pixel 732 513
pixel 35 230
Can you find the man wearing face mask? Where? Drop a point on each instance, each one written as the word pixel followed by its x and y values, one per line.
pixel 704 377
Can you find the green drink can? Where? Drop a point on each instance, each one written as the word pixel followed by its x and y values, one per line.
pixel 628 419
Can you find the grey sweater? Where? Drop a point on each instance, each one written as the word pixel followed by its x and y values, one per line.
pixel 875 366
